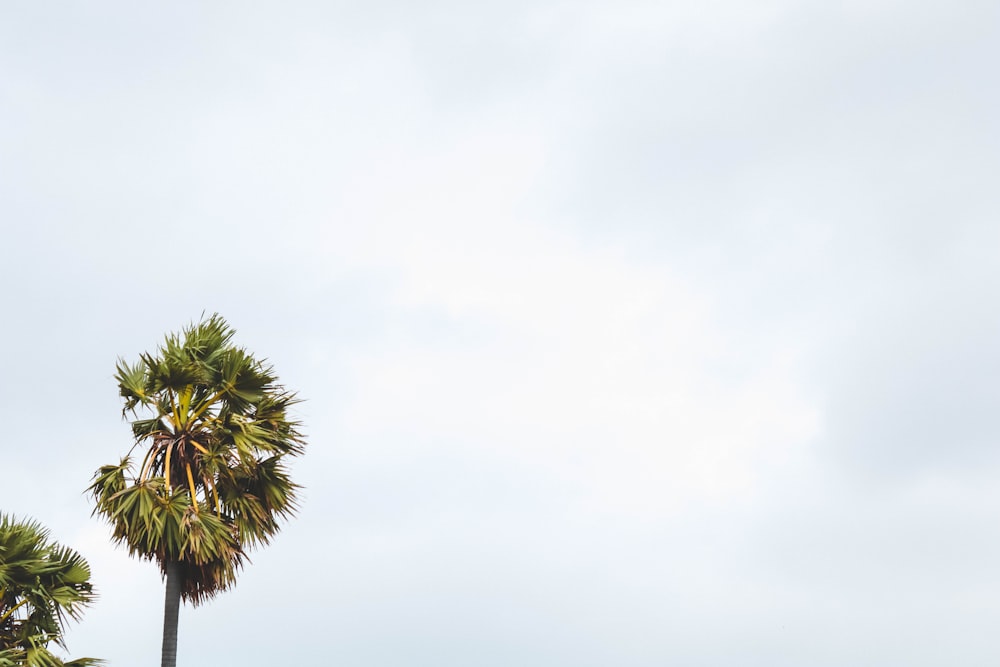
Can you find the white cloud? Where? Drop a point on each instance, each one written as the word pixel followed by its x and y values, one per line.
pixel 585 361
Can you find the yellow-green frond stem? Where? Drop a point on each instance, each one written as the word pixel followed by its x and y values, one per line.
pixel 210 488
pixel 199 447
pixel 194 493
pixel 10 612
pixel 184 407
pixel 166 466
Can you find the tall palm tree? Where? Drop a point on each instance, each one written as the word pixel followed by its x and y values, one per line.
pixel 212 427
pixel 42 585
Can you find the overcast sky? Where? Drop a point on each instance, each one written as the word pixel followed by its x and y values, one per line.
pixel 632 333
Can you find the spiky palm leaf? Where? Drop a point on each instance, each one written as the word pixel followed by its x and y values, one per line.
pixel 42 586
pixel 213 427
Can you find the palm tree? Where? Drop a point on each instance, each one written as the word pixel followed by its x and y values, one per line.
pixel 42 585
pixel 211 481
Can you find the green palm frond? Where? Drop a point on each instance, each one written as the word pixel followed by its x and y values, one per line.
pixel 42 586
pixel 42 657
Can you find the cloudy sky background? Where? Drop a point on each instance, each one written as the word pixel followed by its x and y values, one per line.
pixel 633 333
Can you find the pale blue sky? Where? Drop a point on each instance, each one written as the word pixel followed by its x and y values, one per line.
pixel 633 334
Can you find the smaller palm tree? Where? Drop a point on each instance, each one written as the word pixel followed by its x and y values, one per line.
pixel 42 585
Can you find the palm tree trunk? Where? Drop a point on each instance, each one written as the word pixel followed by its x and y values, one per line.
pixel 171 607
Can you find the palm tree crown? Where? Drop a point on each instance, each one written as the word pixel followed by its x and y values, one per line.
pixel 212 427
pixel 42 585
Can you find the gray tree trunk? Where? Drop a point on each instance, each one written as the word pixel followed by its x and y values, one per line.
pixel 171 607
